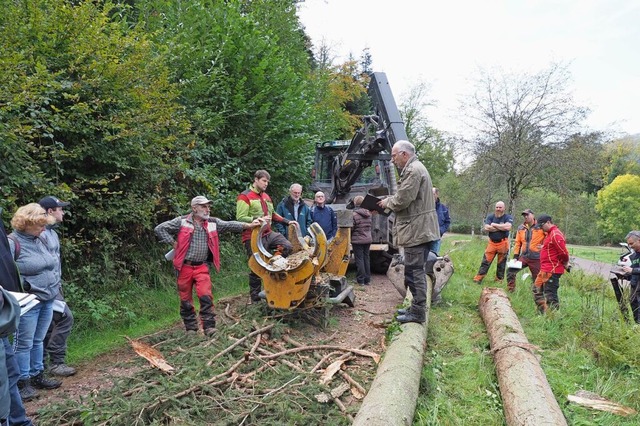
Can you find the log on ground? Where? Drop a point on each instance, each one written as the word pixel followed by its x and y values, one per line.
pixel 527 398
pixel 393 395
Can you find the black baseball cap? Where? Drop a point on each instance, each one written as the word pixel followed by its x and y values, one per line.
pixel 527 211
pixel 51 202
pixel 544 218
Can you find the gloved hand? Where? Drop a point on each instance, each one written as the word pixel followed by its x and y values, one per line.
pixel 516 256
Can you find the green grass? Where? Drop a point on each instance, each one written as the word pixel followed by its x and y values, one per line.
pixel 584 345
pixel 599 254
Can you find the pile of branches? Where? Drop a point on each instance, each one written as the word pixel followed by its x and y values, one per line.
pixel 249 373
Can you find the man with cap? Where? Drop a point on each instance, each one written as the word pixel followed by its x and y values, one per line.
pixel 195 241
pixel 498 225
pixel 55 342
pixel 529 238
pixel 554 259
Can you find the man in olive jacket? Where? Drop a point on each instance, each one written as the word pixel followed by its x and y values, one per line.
pixel 416 226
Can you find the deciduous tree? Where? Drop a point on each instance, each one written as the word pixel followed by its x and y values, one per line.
pixel 618 204
pixel 515 116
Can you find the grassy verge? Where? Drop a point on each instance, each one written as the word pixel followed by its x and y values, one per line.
pixel 584 345
pixel 599 254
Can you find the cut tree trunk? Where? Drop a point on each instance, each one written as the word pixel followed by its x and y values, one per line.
pixel 393 395
pixel 526 395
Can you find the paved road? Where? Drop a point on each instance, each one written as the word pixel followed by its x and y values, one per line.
pixel 593 267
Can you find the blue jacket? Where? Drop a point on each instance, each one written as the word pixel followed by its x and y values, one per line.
pixel 285 209
pixel 444 221
pixel 326 218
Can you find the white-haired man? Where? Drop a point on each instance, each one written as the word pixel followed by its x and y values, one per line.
pixel 416 226
pixel 293 207
pixel 195 240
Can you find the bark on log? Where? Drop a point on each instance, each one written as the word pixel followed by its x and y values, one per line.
pixel 526 395
pixel 394 392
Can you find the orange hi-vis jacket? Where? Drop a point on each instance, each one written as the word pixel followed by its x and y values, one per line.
pixel 528 241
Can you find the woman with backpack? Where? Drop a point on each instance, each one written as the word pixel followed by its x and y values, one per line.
pixel 40 277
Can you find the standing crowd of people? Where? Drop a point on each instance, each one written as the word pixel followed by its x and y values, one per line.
pixel 539 246
pixel 30 263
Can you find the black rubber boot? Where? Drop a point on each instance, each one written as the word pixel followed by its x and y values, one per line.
pixel 41 382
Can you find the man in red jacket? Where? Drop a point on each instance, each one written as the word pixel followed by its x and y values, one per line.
pixel 554 259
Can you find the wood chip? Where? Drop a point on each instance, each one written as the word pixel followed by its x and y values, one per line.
pixel 330 371
pixel 595 401
pixel 323 398
pixel 152 355
pixel 338 391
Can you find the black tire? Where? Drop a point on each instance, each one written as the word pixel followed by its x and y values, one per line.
pixel 380 261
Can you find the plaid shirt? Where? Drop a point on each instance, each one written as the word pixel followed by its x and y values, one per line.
pixel 198 249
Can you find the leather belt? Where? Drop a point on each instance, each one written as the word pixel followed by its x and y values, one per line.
pixel 192 263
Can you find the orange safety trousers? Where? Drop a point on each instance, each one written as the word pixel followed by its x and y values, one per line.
pixel 500 248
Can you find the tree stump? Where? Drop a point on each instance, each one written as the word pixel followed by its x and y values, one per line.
pixel 526 395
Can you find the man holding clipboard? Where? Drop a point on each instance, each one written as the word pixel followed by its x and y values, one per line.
pixel 416 227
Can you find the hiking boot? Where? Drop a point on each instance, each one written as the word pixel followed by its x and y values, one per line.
pixel 409 317
pixel 402 311
pixel 27 392
pixel 191 331
pixel 209 331
pixel 511 287
pixel 62 370
pixel 41 382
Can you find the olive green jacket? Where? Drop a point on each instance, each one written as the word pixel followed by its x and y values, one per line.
pixel 415 207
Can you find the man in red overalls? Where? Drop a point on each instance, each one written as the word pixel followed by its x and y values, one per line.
pixel 196 246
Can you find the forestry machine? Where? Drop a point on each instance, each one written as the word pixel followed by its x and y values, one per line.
pixel 315 270
pixel 345 169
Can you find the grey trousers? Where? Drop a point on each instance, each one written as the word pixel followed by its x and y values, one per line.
pixel 415 276
pixel 55 342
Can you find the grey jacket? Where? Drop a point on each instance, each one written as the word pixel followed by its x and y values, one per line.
pixel 415 207
pixel 53 244
pixel 40 270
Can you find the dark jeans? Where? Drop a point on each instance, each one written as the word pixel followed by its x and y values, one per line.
pixel 18 415
pixel 55 342
pixel 361 254
pixel 271 241
pixel 415 277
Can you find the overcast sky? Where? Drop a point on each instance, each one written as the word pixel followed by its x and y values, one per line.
pixel 444 43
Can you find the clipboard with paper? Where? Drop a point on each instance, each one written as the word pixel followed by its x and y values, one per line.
pixel 26 301
pixel 371 203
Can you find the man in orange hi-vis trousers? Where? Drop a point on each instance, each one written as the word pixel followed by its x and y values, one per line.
pixel 498 225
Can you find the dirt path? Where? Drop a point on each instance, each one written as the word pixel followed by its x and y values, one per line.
pixel 361 326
